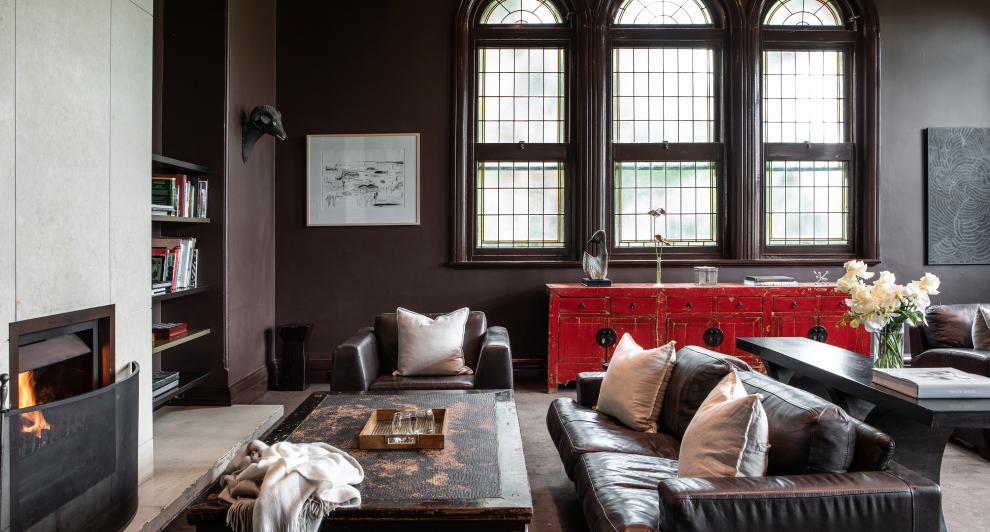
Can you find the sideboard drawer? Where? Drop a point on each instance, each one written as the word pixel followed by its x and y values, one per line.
pixel 794 303
pixel 833 303
pixel 633 305
pixel 594 305
pixel 689 305
pixel 739 304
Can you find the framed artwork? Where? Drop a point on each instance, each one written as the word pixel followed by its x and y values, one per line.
pixel 958 195
pixel 362 179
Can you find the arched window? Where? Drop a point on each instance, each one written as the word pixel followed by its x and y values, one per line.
pixel 811 148
pixel 666 141
pixel 514 147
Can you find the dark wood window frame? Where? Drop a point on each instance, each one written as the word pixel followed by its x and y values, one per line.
pixel 739 39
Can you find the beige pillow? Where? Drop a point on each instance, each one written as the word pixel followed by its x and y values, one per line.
pixel 981 329
pixel 431 346
pixel 635 382
pixel 728 436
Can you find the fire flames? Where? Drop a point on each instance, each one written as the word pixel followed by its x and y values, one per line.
pixel 32 421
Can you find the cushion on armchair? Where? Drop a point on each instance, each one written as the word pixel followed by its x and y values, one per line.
pixel 950 326
pixel 981 329
pixel 431 346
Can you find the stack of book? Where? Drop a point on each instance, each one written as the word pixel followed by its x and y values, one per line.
pixel 769 280
pixel 174 264
pixel 163 381
pixel 933 383
pixel 178 195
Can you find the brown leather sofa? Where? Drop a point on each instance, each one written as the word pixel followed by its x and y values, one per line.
pixel 826 471
pixel 366 360
pixel 947 341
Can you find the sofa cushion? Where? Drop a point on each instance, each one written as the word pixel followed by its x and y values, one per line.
pixel 981 329
pixel 577 430
pixel 430 347
pixel 619 491
pixel 950 325
pixel 398 382
pixel 696 373
pixel 728 437
pixel 387 335
pixel 807 433
pixel 634 385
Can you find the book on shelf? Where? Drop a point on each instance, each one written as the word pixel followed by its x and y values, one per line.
pixel 172 262
pixel 769 280
pixel 161 379
pixel 168 331
pixel 179 195
pixel 158 392
pixel 933 383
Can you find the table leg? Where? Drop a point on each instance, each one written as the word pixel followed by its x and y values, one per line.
pixel 778 373
pixel 917 447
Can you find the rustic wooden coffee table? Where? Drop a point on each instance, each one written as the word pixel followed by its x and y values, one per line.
pixel 477 482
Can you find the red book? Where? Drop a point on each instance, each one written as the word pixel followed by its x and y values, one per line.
pixel 168 331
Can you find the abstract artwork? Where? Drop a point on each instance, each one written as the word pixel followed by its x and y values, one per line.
pixel 959 195
pixel 363 179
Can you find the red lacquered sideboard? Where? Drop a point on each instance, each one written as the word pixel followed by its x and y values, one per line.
pixel 586 322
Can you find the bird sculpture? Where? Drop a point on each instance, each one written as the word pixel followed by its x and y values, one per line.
pixel 596 266
pixel 263 120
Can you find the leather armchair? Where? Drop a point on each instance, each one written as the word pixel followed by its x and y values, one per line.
pixel 366 360
pixel 947 341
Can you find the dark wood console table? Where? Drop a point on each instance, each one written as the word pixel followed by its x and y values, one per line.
pixel 920 427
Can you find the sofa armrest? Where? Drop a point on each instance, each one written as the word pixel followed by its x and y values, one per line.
pixel 896 499
pixel 589 385
pixel 494 371
pixel 355 362
pixel 964 359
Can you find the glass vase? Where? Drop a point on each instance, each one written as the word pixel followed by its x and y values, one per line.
pixel 887 347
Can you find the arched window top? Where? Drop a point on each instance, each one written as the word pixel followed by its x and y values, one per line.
pixel 663 13
pixel 803 13
pixel 520 12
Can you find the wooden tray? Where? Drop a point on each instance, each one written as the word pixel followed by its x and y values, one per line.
pixel 377 432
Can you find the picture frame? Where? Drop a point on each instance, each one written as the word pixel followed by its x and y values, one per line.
pixel 362 179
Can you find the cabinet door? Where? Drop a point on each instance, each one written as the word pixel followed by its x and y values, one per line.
pixel 642 330
pixel 846 337
pixel 736 327
pixel 792 324
pixel 688 330
pixel 577 349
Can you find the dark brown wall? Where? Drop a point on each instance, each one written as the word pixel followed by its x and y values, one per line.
pixel 250 191
pixel 386 66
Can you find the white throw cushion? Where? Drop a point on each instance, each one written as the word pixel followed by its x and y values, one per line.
pixel 728 436
pixel 431 347
pixel 635 382
pixel 981 329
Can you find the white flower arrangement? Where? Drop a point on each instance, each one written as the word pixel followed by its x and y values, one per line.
pixel 884 303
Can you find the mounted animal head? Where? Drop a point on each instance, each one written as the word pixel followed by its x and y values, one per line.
pixel 263 120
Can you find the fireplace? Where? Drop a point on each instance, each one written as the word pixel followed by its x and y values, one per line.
pixel 68 454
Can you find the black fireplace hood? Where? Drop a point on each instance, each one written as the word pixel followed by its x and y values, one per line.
pixel 78 474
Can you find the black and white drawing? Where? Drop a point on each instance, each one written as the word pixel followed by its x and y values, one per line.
pixel 363 179
pixel 958 195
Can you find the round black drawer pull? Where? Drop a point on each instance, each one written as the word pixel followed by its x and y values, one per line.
pixel 632 305
pixel 739 304
pixel 688 305
pixel 606 337
pixel 794 304
pixel 714 337
pixel 580 306
pixel 818 334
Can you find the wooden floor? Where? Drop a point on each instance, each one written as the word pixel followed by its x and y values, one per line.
pixel 965 476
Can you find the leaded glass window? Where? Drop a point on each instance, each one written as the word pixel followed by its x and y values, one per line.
pixel 807 202
pixel 520 204
pixel 685 189
pixel 804 97
pixel 520 12
pixel 803 13
pixel 521 95
pixel 663 12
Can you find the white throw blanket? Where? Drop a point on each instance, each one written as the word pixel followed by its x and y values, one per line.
pixel 288 487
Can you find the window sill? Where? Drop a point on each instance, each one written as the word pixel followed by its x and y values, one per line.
pixel 642 263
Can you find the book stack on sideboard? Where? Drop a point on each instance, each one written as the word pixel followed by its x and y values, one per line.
pixel 586 322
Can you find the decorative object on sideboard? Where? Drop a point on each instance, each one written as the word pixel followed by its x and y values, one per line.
pixel 821 278
pixel 263 120
pixel 706 275
pixel 370 179
pixel 769 280
pixel 658 240
pixel 596 266
pixel 884 307
pixel 958 195
pixel 286 355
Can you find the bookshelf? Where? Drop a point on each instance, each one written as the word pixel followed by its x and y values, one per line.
pixel 182 305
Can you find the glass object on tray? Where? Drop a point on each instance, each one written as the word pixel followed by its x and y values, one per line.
pixel 413 421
